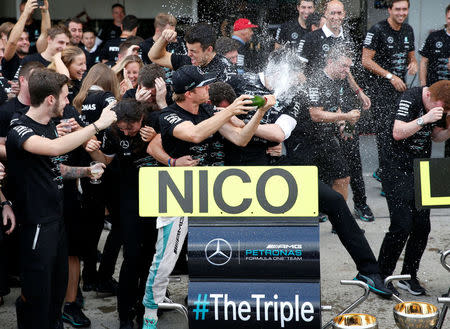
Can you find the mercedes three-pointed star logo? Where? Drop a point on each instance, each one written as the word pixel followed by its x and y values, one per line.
pixel 218 252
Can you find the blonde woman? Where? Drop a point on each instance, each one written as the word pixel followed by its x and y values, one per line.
pixel 127 71
pixel 72 63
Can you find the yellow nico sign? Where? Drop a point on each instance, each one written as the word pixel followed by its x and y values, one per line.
pixel 228 191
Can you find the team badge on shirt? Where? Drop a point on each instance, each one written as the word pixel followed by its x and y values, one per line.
pixel 294 35
pixel 326 47
pixel 390 39
pixel 125 144
pixel 439 44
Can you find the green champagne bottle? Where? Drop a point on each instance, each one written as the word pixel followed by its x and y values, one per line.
pixel 258 101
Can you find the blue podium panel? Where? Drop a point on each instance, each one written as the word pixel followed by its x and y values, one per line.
pixel 255 305
pixel 254 252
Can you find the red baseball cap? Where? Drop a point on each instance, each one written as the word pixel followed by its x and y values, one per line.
pixel 243 23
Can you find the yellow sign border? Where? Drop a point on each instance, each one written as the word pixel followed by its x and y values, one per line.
pixel 245 186
pixel 425 188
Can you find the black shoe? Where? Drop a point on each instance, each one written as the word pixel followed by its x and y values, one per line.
pixel 377 175
pixel 74 315
pixel 375 283
pixel 109 287
pixel 128 324
pixel 22 314
pixel 392 288
pixel 364 213
pixel 322 218
pixel 413 286
pixel 79 300
pixel 88 286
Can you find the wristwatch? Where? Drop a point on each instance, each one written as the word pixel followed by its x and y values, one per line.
pixel 420 122
pixel 389 76
pixel 6 203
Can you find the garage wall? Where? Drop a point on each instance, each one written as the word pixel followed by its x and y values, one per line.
pixel 101 9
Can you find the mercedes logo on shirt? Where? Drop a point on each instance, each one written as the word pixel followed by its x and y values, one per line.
pixel 218 252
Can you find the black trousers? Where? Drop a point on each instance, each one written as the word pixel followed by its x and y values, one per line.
pixel 93 210
pixel 44 272
pixel 408 225
pixel 350 148
pixel 139 240
pixel 333 204
pixel 384 99
pixel 4 287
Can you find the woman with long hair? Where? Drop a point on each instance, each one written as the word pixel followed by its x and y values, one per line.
pixel 127 71
pixel 99 88
pixel 72 63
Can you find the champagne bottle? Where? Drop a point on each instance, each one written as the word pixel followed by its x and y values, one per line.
pixel 258 101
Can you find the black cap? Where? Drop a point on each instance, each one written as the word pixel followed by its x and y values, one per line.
pixel 189 77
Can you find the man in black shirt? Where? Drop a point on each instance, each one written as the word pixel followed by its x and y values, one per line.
pixel 114 29
pixel 388 53
pixel 200 42
pixel 434 64
pixel 325 92
pixel 57 40
pixel 16 104
pixel 75 27
pixel 435 52
pixel 18 44
pixel 290 33
pixel 417 111
pixel 163 21
pixel 110 50
pixel 37 177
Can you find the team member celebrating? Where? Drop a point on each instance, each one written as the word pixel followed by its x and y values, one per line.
pixel 417 111
pixel 188 127
pixel 139 234
pixel 388 53
pixel 290 33
pixel 200 42
pixel 34 168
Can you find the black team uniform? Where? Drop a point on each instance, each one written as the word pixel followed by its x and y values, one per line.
pixel 36 57
pixel 110 49
pixel 255 151
pixel 391 53
pixel 436 49
pixel 408 225
pixel 313 50
pixel 290 34
pixel 315 46
pixel 219 66
pixel 110 31
pixel 11 67
pixel 209 151
pixel 7 112
pixel 322 138
pixel 38 191
pixel 94 199
pixel 138 233
pixel 178 47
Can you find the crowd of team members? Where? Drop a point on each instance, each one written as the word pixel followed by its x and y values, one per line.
pixel 186 102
